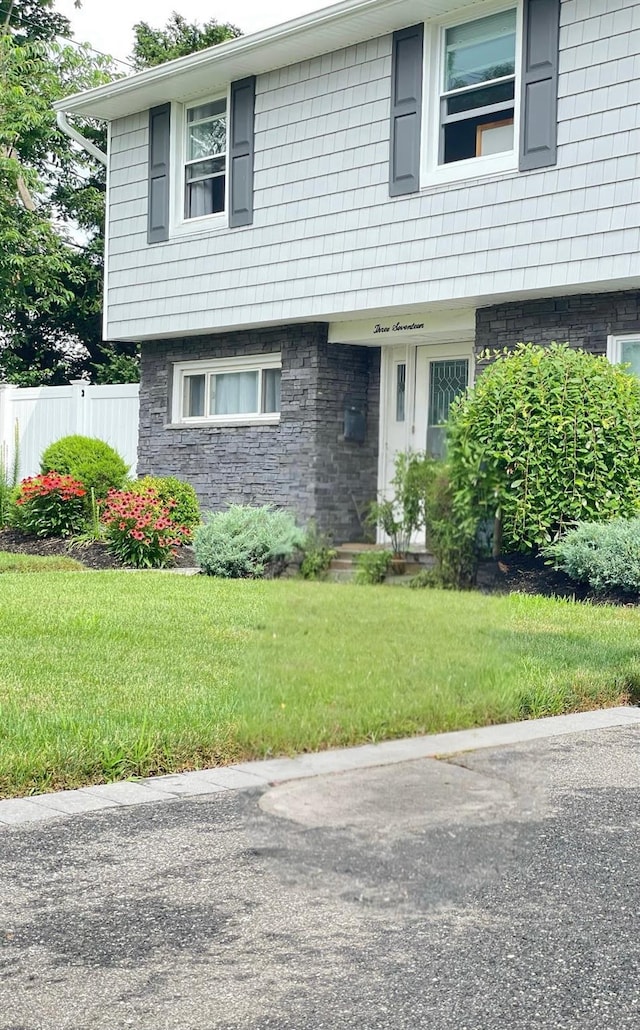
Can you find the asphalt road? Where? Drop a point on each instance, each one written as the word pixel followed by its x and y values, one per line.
pixel 496 891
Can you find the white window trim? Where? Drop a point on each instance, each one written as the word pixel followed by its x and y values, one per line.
pixel 432 173
pixel 614 346
pixel 181 226
pixel 245 363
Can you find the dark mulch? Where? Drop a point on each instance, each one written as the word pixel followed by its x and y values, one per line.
pixel 528 574
pixel 94 555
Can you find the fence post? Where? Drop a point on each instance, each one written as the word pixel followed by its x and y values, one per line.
pixel 79 401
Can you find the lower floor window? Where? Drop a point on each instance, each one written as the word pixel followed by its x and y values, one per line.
pixel 246 388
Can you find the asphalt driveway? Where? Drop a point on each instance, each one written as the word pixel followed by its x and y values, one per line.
pixel 496 889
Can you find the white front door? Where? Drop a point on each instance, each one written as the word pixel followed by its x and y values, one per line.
pixel 419 384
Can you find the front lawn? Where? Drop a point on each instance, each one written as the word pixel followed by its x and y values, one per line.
pixel 110 675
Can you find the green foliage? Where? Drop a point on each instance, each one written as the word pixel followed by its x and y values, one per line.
pixel 453 550
pixel 97 465
pixel 606 555
pixel 404 514
pixel 242 541
pixel 177 39
pixel 178 497
pixel 139 529
pixel 548 436
pixel 372 567
pixel 50 505
pixel 38 563
pixel 318 553
pixel 9 476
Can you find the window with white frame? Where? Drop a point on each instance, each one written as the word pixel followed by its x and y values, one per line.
pixel 240 390
pixel 625 350
pixel 205 158
pixel 476 93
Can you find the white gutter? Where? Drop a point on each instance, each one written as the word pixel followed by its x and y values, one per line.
pixel 85 143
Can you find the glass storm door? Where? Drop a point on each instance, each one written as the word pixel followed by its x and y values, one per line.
pixel 440 380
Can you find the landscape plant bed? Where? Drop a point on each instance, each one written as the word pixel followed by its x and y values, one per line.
pixel 92 554
pixel 132 676
pixel 531 574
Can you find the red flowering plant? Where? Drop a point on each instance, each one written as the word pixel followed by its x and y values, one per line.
pixel 139 529
pixel 50 505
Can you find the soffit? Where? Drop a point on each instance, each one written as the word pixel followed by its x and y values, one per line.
pixel 210 71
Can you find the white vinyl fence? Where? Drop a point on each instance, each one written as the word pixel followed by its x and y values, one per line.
pixel 45 413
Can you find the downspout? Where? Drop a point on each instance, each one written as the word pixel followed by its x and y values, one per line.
pixel 85 143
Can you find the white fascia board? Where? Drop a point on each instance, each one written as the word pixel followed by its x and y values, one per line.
pixel 341 25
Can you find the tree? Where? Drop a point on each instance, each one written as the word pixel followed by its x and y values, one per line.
pixel 51 210
pixel 177 39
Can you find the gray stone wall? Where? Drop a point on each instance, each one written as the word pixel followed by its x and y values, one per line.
pixel 583 321
pixel 303 464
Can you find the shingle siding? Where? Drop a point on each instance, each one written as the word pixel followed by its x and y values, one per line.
pixel 327 239
pixel 303 464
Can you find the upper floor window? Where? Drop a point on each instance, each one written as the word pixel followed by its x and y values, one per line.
pixel 477 102
pixel 473 90
pixel 205 159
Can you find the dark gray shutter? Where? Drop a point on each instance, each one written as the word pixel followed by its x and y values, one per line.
pixel 406 110
pixel 159 158
pixel 243 95
pixel 539 112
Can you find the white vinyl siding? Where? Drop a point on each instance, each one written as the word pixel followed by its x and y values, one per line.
pixel 329 243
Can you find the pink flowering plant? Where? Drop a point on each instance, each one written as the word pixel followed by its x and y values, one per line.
pixel 50 505
pixel 139 529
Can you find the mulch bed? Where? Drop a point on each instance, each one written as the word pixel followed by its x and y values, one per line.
pixel 528 574
pixel 94 554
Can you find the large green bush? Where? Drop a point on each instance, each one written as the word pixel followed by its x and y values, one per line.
pixel 179 497
pixel 606 555
pixel 548 436
pixel 243 541
pixel 97 465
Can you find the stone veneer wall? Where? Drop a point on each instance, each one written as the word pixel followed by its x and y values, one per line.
pixel 304 463
pixel 584 320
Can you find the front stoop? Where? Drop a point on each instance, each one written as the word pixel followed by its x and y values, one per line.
pixel 343 565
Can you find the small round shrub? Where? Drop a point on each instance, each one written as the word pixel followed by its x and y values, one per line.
pixel 606 555
pixel 139 530
pixel 548 436
pixel 184 507
pixel 50 505
pixel 241 542
pixel 97 465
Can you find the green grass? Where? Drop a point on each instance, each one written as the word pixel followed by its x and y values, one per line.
pixel 110 675
pixel 38 563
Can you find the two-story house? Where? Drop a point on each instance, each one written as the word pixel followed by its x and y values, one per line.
pixel 313 231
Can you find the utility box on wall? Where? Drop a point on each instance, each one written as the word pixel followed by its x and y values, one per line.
pixel 355 420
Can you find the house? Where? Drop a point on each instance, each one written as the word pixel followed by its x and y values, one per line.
pixel 314 231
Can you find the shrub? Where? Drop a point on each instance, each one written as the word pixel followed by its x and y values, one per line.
pixel 453 550
pixel 242 541
pixel 93 462
pixel 50 505
pixel 138 529
pixel 606 555
pixel 547 437
pixel 185 511
pixel 402 515
pixel 9 477
pixel 318 554
pixel 372 567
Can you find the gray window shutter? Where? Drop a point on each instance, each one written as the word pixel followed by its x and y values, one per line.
pixel 406 110
pixel 539 113
pixel 243 95
pixel 159 159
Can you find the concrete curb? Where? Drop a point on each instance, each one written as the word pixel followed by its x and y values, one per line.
pixel 245 775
